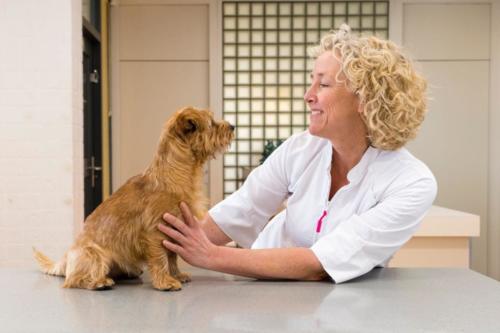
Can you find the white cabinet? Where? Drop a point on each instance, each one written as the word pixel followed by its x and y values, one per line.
pixel 441 241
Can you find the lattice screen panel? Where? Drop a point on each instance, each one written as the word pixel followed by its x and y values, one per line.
pixel 266 68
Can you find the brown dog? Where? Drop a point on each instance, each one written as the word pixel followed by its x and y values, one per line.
pixel 121 234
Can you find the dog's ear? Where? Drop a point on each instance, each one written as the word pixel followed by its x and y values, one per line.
pixel 186 125
pixel 190 126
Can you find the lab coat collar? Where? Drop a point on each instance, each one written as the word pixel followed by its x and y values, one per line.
pixel 355 175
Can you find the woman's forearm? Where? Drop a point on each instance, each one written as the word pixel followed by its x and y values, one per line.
pixel 199 244
pixel 213 231
pixel 286 263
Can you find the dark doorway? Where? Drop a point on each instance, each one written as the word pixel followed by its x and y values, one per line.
pixel 92 135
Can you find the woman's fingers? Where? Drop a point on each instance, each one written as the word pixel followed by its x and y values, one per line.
pixel 172 233
pixel 176 223
pixel 172 247
pixel 187 238
pixel 188 216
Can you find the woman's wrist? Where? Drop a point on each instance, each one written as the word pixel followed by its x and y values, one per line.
pixel 215 261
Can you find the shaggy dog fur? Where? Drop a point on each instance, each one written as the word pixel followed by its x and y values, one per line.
pixel 121 234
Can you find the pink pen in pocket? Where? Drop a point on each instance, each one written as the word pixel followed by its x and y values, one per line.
pixel 320 222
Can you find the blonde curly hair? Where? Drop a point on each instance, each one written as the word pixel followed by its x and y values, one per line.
pixel 391 92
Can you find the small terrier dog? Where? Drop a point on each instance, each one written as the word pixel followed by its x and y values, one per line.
pixel 121 234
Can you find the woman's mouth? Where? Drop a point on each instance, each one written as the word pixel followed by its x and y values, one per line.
pixel 316 112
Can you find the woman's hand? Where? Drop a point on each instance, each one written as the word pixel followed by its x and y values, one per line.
pixel 188 239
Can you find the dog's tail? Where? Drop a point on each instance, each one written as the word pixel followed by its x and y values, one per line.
pixel 47 265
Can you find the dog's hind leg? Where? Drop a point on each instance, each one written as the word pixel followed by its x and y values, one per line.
pixel 173 268
pixel 158 265
pixel 87 267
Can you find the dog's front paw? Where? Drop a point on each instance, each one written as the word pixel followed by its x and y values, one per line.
pixel 103 284
pixel 167 284
pixel 183 277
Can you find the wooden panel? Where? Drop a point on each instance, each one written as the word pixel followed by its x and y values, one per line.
pixel 150 93
pixel 433 252
pixel 447 31
pixel 164 32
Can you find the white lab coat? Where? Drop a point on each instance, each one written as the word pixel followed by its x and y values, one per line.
pixel 363 225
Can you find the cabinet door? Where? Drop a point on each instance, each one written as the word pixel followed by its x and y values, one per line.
pixel 160 65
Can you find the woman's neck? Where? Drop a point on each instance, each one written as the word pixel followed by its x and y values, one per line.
pixel 347 154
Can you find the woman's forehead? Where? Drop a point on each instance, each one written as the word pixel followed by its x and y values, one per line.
pixel 326 65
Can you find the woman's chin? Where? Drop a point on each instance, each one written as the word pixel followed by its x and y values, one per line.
pixel 316 124
pixel 314 130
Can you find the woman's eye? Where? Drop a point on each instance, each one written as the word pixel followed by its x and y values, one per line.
pixel 324 85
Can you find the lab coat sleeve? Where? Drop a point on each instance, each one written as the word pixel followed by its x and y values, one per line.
pixel 246 212
pixel 364 241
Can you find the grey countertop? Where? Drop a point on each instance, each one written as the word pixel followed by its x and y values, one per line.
pixel 384 300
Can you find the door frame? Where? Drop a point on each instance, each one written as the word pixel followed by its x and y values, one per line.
pixel 92 127
pixel 102 38
pixel 105 105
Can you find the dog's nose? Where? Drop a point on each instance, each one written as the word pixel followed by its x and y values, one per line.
pixel 231 127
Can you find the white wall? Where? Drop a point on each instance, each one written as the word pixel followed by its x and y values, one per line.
pixel 41 163
pixel 454 44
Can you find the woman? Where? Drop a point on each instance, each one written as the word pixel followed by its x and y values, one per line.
pixel 354 195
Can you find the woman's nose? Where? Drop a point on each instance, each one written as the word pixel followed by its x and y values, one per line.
pixel 310 96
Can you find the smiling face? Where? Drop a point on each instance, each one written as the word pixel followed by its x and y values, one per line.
pixel 334 109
